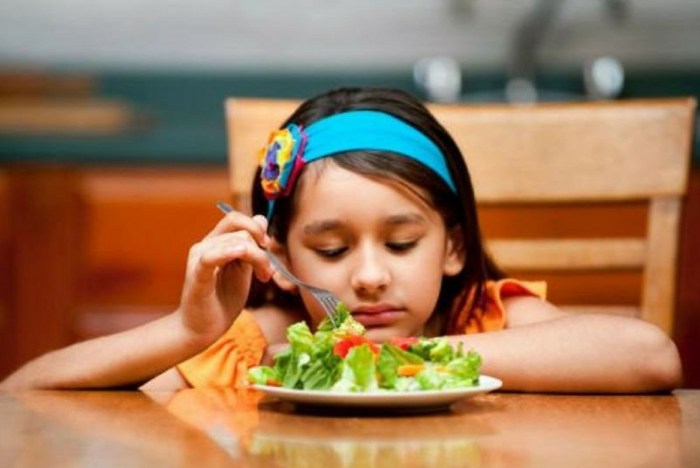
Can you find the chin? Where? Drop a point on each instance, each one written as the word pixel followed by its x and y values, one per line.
pixel 382 334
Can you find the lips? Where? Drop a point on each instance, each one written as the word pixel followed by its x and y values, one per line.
pixel 377 315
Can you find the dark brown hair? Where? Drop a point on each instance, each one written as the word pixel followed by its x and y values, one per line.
pixel 458 210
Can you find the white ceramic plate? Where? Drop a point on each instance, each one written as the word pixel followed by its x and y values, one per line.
pixel 419 400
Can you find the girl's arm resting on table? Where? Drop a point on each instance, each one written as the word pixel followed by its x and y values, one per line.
pixel 124 359
pixel 546 350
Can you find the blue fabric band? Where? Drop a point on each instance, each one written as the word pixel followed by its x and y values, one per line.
pixel 373 131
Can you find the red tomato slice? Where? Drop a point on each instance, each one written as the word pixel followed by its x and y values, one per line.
pixel 342 347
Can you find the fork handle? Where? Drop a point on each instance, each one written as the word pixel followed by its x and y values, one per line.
pixel 223 206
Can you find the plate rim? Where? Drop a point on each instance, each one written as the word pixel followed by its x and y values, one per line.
pixel 409 398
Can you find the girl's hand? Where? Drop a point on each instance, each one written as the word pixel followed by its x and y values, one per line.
pixel 219 274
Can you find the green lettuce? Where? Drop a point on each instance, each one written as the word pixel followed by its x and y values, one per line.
pixel 359 373
pixel 309 363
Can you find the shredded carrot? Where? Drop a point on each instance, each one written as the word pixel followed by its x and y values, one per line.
pixel 409 370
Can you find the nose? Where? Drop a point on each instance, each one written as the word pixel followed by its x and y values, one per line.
pixel 370 273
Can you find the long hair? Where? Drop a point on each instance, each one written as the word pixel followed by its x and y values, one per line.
pixel 458 210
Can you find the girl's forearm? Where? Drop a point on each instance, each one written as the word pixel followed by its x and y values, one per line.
pixel 123 359
pixel 580 353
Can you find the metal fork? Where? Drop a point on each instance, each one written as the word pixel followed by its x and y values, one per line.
pixel 326 299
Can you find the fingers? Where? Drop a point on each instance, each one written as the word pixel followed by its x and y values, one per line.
pixel 234 221
pixel 213 253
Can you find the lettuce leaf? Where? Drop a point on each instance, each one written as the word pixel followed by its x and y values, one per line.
pixel 262 375
pixel 465 369
pixel 435 350
pixel 322 372
pixel 346 324
pixel 359 373
pixel 300 337
pixel 430 379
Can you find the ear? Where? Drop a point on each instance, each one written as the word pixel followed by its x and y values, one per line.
pixel 280 252
pixel 455 254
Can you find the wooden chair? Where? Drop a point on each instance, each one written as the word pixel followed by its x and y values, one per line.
pixel 633 154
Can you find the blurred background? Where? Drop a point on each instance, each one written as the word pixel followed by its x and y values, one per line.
pixel 113 142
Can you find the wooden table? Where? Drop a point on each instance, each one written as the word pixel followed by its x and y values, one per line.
pixel 207 428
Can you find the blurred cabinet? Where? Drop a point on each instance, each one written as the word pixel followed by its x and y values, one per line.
pixel 139 226
pixel 89 251
pixel 40 266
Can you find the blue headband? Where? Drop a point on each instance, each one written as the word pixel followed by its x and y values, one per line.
pixel 290 148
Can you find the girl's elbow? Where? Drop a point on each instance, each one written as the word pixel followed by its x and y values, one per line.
pixel 662 363
pixel 670 371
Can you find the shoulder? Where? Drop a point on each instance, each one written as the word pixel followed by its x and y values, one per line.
pixel 273 322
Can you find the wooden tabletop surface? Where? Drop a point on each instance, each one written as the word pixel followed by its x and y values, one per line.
pixel 228 428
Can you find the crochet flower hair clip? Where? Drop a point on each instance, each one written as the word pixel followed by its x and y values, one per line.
pixel 282 160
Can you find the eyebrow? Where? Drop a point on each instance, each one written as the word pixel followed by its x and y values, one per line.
pixel 326 225
pixel 319 227
pixel 405 218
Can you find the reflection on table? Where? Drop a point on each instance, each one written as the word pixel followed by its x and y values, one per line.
pixel 225 427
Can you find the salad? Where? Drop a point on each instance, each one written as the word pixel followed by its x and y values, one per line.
pixel 343 359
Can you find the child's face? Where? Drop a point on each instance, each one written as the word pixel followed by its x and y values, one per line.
pixel 378 246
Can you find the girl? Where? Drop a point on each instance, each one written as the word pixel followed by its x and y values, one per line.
pixel 364 194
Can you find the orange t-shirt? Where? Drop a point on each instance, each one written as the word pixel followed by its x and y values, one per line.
pixel 226 362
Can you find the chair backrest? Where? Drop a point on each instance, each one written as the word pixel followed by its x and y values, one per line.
pixel 634 154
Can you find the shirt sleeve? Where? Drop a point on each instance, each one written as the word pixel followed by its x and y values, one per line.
pixel 226 362
pixel 490 314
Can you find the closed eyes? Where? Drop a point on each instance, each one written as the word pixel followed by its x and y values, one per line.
pixel 396 247
pixel 401 246
pixel 331 253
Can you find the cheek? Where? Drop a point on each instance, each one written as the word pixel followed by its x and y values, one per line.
pixel 314 270
pixel 424 290
pixel 423 282
pixel 310 269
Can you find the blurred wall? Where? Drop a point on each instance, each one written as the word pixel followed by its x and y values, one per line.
pixel 310 35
